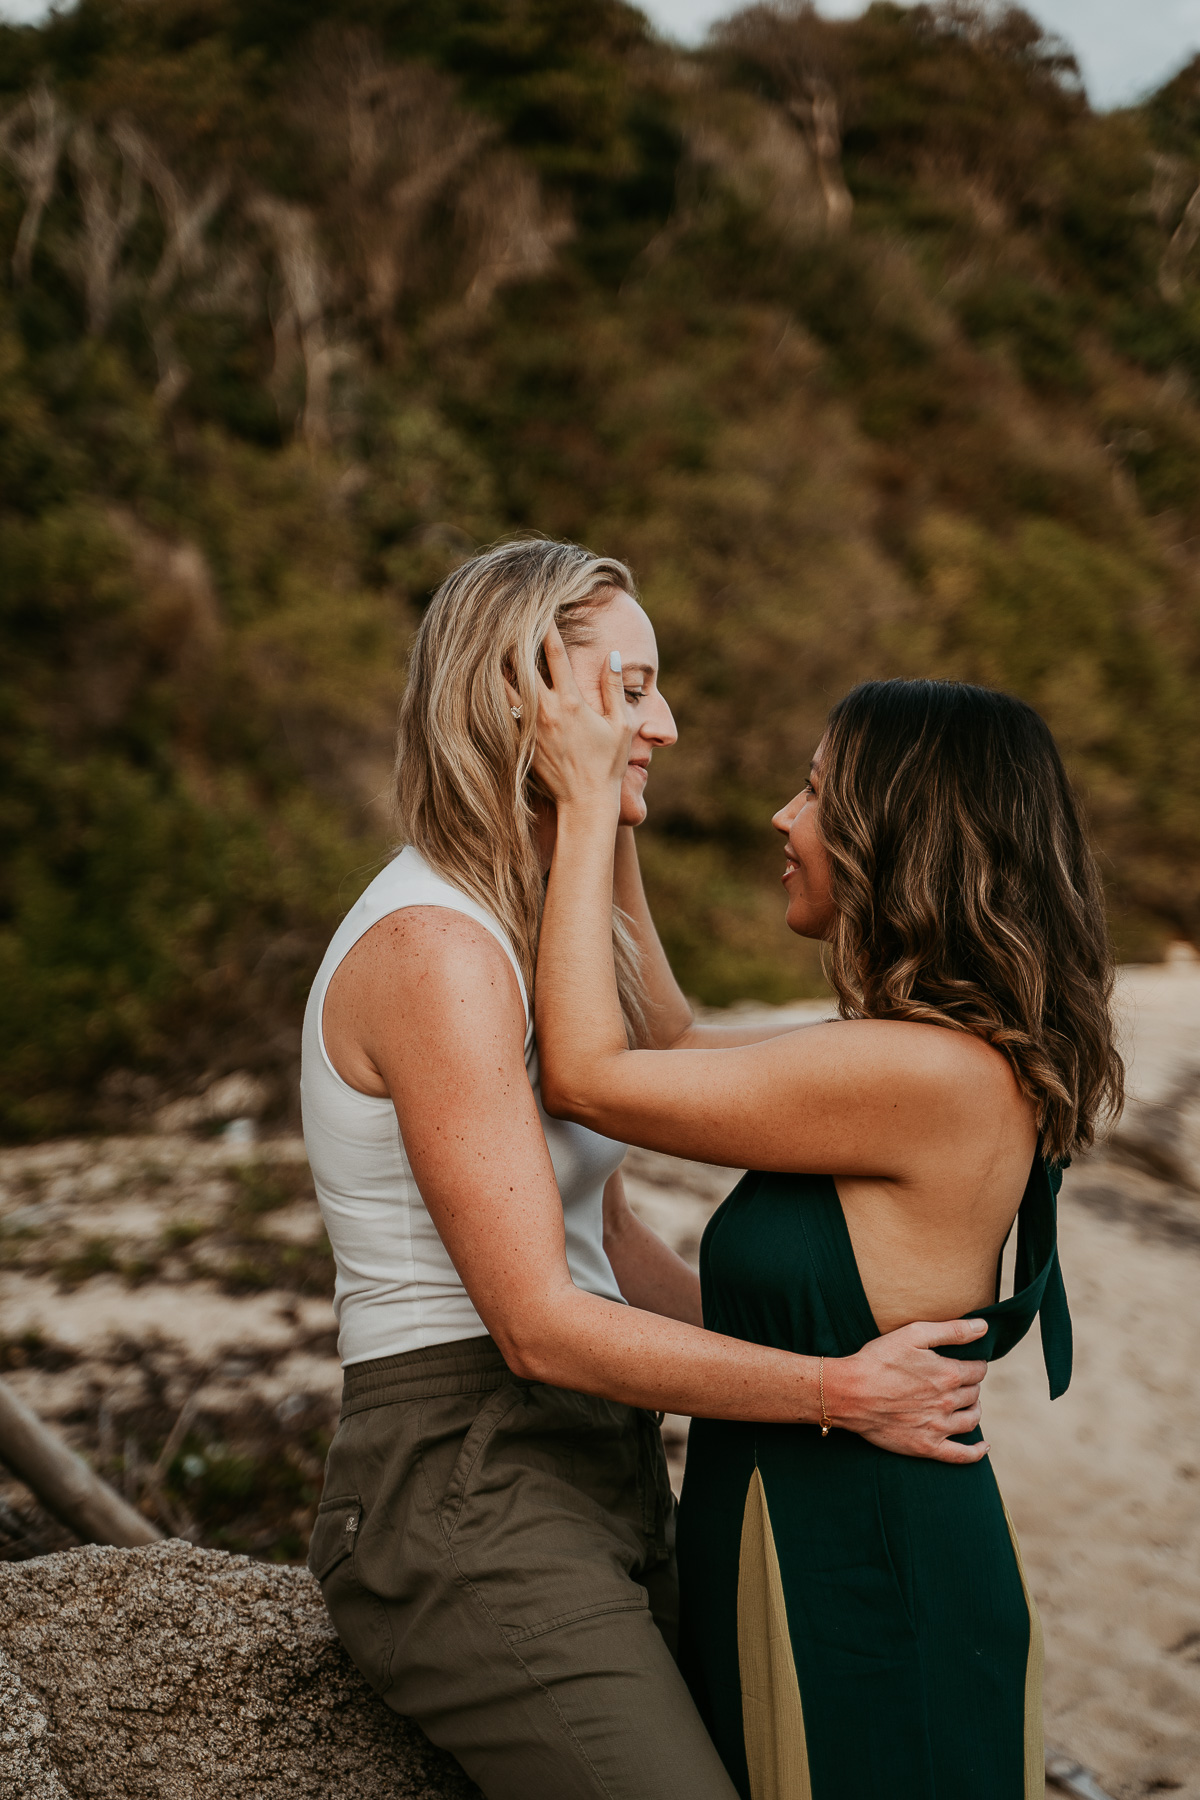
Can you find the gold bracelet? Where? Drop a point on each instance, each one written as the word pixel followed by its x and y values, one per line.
pixel 826 1421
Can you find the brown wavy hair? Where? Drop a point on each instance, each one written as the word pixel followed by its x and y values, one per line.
pixel 966 892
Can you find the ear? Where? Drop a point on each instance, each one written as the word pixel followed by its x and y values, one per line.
pixel 508 674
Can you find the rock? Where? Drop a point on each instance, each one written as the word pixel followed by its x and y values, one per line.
pixel 23 1767
pixel 174 1673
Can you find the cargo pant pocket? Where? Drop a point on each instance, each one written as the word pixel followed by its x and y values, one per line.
pixel 525 1634
pixel 482 1428
pixel 335 1534
pixel 359 1616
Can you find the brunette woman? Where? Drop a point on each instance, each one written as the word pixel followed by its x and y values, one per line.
pixel 856 1623
pixel 495 1543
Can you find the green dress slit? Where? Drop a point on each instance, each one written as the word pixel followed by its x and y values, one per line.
pixel 856 1624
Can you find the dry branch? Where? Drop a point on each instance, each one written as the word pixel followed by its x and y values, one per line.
pixel 512 235
pixel 186 217
pixel 825 130
pixel 63 1482
pixel 404 141
pixel 292 231
pixel 1183 242
pixel 108 218
pixel 35 159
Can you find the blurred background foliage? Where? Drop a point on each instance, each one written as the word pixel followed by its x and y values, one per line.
pixel 868 344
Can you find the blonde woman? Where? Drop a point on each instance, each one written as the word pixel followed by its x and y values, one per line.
pixel 495 1542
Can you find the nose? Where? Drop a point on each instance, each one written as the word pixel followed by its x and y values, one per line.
pixel 658 727
pixel 785 818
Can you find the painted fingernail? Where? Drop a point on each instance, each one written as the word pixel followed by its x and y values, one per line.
pixel 614 661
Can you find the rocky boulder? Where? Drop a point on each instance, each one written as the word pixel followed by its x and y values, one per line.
pixel 173 1673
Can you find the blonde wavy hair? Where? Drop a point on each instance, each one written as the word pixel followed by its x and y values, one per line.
pixel 465 794
pixel 965 890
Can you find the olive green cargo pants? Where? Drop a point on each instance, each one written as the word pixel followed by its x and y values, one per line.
pixel 498 1559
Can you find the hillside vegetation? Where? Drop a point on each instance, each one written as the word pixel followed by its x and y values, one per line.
pixel 869 345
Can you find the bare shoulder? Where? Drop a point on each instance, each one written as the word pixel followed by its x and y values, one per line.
pixel 428 958
pixel 927 1062
pixel 418 945
pixel 424 979
pixel 924 1093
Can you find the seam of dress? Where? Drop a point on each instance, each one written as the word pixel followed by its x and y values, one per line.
pixel 1035 1747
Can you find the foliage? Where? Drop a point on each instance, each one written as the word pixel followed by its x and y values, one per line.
pixel 868 343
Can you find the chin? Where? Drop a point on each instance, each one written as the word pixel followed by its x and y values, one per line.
pixel 796 919
pixel 806 923
pixel 633 810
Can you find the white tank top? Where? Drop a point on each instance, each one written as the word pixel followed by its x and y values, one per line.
pixel 397 1288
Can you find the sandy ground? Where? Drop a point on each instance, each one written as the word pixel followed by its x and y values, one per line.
pixel 177 1246
pixel 1104 1488
pixel 1104 1485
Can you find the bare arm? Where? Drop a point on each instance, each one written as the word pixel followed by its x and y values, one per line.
pixel 648 1272
pixel 670 1018
pixel 431 1001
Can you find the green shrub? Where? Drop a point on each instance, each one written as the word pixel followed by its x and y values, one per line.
pixel 956 434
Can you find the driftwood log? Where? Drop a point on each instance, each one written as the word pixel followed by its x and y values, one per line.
pixel 63 1482
pixel 1071 1777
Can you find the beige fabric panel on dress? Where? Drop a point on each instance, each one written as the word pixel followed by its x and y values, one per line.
pixel 772 1715
pixel 1035 1742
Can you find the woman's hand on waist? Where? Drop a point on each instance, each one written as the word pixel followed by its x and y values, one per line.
pixel 899 1394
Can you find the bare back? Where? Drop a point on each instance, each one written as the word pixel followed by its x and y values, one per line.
pixel 928 1247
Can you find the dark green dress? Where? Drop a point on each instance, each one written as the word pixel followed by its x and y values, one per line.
pixel 855 1625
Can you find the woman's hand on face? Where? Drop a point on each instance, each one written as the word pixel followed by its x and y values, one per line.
pixel 899 1394
pixel 581 753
